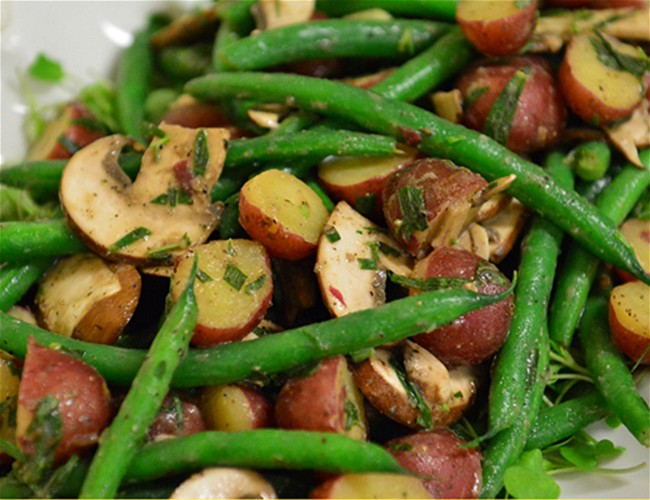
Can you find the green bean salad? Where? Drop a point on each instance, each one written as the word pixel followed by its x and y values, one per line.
pixel 330 249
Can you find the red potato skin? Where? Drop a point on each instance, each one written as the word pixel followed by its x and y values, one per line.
pixel 202 115
pixel 77 133
pixel 167 422
pixel 501 37
pixel 279 242
pixel 260 410
pixel 312 402
pixel 476 336
pixel 448 467
pixel 84 399
pixel 636 347
pixel 582 102
pixel 452 183
pixel 540 117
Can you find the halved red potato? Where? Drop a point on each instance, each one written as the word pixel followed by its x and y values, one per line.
pixel 598 92
pixel 85 297
pixel 57 383
pixel 73 129
pixel 629 320
pixel 9 384
pixel 430 202
pixel 371 485
pixel 325 399
pixel 177 417
pixel 352 259
pixel 233 289
pixel 451 468
pixel 192 113
pixel 360 180
pixel 637 233
pixel 235 407
pixel 224 482
pixel 497 28
pixel 539 113
pixel 283 213
pixel 165 210
pixel 475 336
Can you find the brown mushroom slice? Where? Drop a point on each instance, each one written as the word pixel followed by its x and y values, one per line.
pixel 475 239
pixel 352 258
pixel 225 482
pixel 463 380
pixel 271 14
pixel 632 134
pixel 84 297
pixel 428 372
pixel 378 380
pixel 504 229
pixel 166 209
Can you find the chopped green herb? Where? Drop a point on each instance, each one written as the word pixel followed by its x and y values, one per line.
pixel 202 276
pixel 616 60
pixel 474 94
pixel 400 446
pixel 352 417
pixel 68 144
pixel 499 120
pixel 304 209
pixel 234 276
pixel 424 419
pixel 129 239
pixel 405 43
pixel 163 253
pixel 411 202
pixel 366 204
pixel 388 250
pixel 367 264
pixel 173 197
pixel 201 152
pixel 332 234
pixel 428 284
pixel 255 285
pixel 45 69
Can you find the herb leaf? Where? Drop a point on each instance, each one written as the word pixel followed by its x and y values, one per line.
pixel 499 120
pixel 45 69
pixel 428 284
pixel 234 276
pixel 411 202
pixel 129 239
pixel 201 152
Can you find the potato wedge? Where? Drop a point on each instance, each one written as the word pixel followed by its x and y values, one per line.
pixel 87 298
pixel 235 407
pixel 233 289
pixel 351 262
pixel 629 320
pixel 153 219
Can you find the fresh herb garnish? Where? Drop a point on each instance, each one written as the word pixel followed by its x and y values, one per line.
pixel 352 417
pixel 474 94
pixel 499 120
pixel 366 204
pixel 332 234
pixel 616 60
pixel 202 276
pixel 45 69
pixel 234 276
pixel 163 253
pixel 201 152
pixel 411 202
pixel 129 239
pixel 255 285
pixel 173 197
pixel 428 284
pixel 424 419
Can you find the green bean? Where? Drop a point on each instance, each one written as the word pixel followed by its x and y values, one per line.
pixel 225 37
pixel 331 38
pixel 504 449
pixel 269 354
pixel 263 448
pixel 611 375
pixel 134 73
pixel 435 137
pixel 436 9
pixel 42 178
pixel 16 279
pixel 23 241
pixel 563 420
pixel 314 144
pixel 238 16
pixel 591 160
pixel 446 57
pixel 185 62
pixel 121 440
pixel 579 267
pixel 540 249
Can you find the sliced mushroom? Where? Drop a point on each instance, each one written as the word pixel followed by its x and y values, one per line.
pixel 271 14
pixel 632 134
pixel 166 209
pixel 428 372
pixel 504 229
pixel 476 240
pixel 223 482
pixel 352 258
pixel 448 105
pixel 83 296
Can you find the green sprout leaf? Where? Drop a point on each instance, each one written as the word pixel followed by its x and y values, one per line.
pixel 45 69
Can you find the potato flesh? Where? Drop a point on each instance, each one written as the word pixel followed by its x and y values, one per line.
pixel 220 304
pixel 637 232
pixel 630 303
pixel 378 486
pixel 348 170
pixel 287 200
pixel 486 10
pixel 618 89
pixel 103 206
pixel 227 408
pixel 71 288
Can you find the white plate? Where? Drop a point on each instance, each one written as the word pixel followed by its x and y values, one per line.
pixel 86 38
